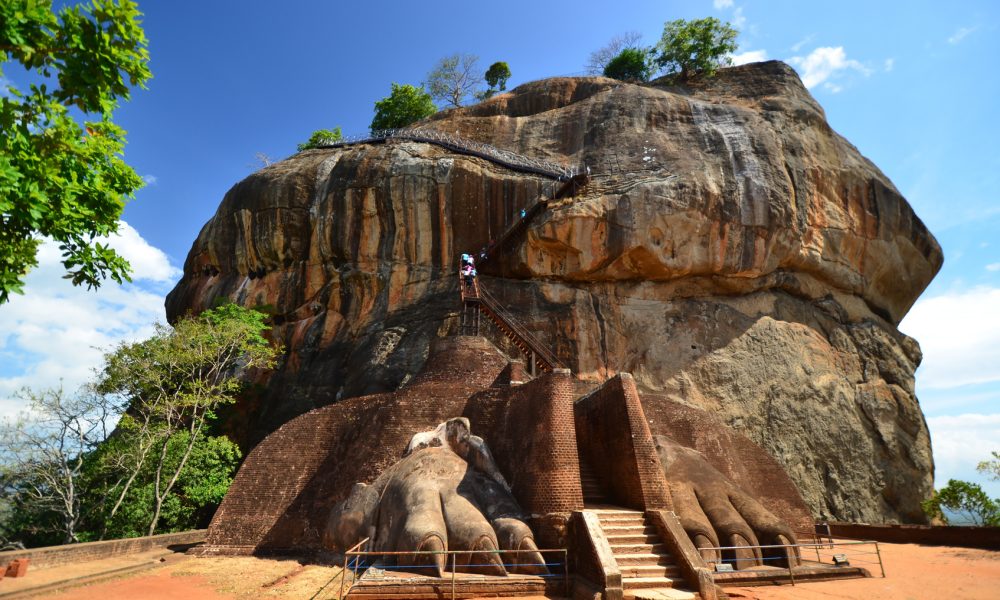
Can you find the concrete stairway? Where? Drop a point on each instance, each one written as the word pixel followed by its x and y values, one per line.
pixel 642 557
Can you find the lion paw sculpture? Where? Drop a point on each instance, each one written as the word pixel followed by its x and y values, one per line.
pixel 445 493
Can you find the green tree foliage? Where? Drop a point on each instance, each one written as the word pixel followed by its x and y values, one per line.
pixel 61 171
pixel 321 137
pixel 200 488
pixel 496 77
pixel 43 455
pixel 600 58
pixel 65 477
pixel 454 79
pixel 631 64
pixel 991 468
pixel 176 379
pixel 968 500
pixel 405 105
pixel 696 47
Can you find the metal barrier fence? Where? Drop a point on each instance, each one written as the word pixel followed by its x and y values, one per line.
pixel 825 551
pixel 356 560
pixel 459 144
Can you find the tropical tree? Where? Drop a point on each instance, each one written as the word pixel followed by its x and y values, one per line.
pixel 696 47
pixel 991 468
pixel 455 78
pixel 600 58
pixel 496 77
pixel 61 171
pixel 42 457
pixel 968 500
pixel 321 137
pixel 632 64
pixel 173 382
pixel 405 105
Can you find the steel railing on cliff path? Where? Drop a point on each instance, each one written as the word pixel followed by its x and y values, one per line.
pixel 455 143
pixel 475 297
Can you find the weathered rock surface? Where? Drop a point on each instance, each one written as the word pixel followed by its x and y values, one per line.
pixel 733 253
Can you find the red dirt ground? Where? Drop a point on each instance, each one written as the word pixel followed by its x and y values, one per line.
pixel 913 573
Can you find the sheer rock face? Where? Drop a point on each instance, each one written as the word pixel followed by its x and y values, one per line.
pixel 732 252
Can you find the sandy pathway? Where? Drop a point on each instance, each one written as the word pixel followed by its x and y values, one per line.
pixel 913 573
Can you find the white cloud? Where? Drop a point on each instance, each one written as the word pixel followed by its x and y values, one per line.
pixel 992 267
pixel 825 63
pixel 959 333
pixel 56 331
pixel 961 34
pixel 799 44
pixel 749 56
pixel 149 179
pixel 720 4
pixel 959 443
pixel 148 262
pixel 739 19
pixel 888 64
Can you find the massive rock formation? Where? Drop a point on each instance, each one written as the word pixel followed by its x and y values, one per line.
pixel 732 252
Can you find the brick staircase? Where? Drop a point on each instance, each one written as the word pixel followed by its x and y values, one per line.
pixel 593 490
pixel 643 559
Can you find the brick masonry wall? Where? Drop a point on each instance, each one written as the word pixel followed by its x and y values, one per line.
pixel 54 556
pixel 612 431
pixel 736 456
pixel 529 428
pixel 288 484
pixel 284 492
pixel 987 538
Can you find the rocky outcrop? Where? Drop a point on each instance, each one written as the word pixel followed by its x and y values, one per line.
pixel 732 252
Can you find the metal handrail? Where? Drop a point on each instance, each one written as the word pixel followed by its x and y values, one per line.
pixel 487 299
pixel 816 546
pixel 454 554
pixel 462 145
pixel 344 571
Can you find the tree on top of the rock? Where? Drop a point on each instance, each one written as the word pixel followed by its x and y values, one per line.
pixel 454 79
pixel 632 64
pixel 59 177
pixel 496 77
pixel 600 58
pixel 696 47
pixel 405 105
pixel 321 137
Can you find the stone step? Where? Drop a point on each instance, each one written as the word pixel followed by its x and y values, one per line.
pixel 671 571
pixel 628 528
pixel 621 518
pixel 632 538
pixel 617 549
pixel 644 559
pixel 631 583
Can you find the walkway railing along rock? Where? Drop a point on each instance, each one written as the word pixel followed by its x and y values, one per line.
pixel 506 158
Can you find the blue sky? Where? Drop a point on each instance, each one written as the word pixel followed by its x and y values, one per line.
pixel 912 84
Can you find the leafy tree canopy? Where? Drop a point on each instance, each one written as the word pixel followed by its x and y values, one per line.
pixel 991 468
pixel 455 78
pixel 405 105
pixel 64 477
pixel 696 47
pixel 968 500
pixel 321 137
pixel 497 76
pixel 61 171
pixel 599 59
pixel 631 64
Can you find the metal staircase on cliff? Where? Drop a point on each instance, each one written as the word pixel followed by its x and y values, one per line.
pixel 477 301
